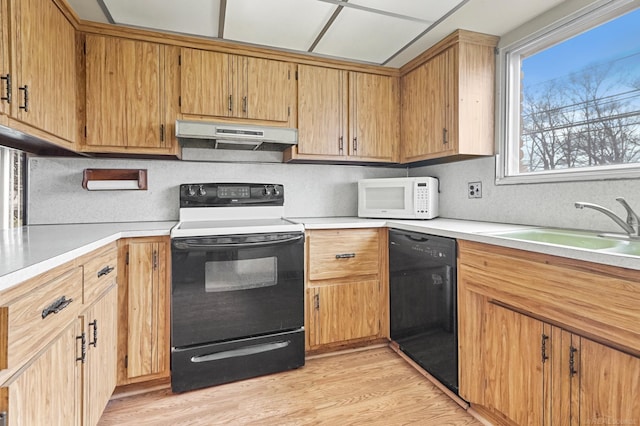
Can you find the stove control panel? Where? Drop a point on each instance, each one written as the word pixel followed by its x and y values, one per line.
pixel 231 194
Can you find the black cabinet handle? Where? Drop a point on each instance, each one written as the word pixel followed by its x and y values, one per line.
pixel 94 325
pixel 244 104
pixel 7 96
pixel 25 106
pixel 445 136
pixel 56 306
pixel 83 353
pixel 230 103
pixel 345 256
pixel 572 361
pixel 105 271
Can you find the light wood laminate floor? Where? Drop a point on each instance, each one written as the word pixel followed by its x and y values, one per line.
pixel 371 387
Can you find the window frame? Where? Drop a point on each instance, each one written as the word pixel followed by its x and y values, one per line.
pixel 508 95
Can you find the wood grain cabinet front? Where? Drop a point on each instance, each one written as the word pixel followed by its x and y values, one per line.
pixel 346 284
pixel 346 116
pixel 38 66
pixel 58 350
pixel 143 309
pixel 125 112
pixel 448 99
pixel 232 87
pixel 547 341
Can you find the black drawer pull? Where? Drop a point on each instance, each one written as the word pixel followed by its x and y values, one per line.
pixel 345 255
pixel 56 306
pixel 105 271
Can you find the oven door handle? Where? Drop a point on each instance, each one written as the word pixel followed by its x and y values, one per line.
pixel 234 353
pixel 184 245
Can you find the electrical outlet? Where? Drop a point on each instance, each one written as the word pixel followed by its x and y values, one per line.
pixel 474 189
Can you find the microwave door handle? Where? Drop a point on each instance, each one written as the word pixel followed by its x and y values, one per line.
pixel 182 245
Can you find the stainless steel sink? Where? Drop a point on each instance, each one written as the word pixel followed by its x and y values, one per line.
pixel 570 238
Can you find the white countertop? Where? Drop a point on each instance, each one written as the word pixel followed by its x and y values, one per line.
pixel 31 250
pixel 28 251
pixel 475 231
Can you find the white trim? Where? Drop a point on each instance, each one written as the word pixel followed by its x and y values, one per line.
pixel 508 86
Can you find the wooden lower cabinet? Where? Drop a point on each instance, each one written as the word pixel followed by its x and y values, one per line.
pixel 344 311
pixel 520 367
pixel 143 340
pixel 346 282
pixel 47 391
pixel 72 379
pixel 101 331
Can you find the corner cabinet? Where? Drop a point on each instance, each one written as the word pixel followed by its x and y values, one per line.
pixel 346 116
pixel 232 87
pixel 545 340
pixel 38 64
pixel 58 362
pixel 447 105
pixel 125 112
pixel 346 284
pixel 143 306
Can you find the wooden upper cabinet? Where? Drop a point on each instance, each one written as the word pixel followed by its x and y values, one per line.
pixel 448 99
pixel 374 117
pixel 5 73
pixel 44 74
pixel 346 116
pixel 205 82
pixel 124 83
pixel 237 87
pixel 322 111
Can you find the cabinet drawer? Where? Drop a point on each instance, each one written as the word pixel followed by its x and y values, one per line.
pixel 341 253
pixel 29 323
pixel 100 271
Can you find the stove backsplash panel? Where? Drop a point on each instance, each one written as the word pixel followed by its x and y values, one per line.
pixel 55 193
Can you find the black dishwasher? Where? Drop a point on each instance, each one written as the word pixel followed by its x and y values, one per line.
pixel 422 299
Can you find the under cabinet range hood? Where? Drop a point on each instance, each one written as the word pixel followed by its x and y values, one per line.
pixel 233 142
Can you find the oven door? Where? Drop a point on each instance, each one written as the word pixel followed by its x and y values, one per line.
pixel 235 286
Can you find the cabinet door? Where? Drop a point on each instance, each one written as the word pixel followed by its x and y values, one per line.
pixel 4 59
pixel 512 369
pixel 608 385
pixel 146 341
pixel 322 111
pixel 45 69
pixel 374 116
pixel 266 90
pixel 47 392
pixel 205 83
pixel 346 311
pixel 428 109
pixel 414 124
pixel 101 328
pixel 123 93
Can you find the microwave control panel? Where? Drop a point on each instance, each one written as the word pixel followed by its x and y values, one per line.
pixel 423 201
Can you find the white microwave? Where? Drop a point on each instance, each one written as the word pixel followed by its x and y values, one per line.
pixel 398 198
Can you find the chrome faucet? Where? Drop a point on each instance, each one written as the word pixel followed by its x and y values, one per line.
pixel 632 224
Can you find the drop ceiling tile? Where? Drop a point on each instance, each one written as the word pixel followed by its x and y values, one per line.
pixel 366 36
pixel 428 10
pixel 288 24
pixel 198 17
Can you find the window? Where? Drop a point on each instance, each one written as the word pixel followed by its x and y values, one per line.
pixel 12 198
pixel 570 107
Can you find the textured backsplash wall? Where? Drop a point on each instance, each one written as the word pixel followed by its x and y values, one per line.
pixel 56 194
pixel 540 204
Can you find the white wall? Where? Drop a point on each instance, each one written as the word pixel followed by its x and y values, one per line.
pixel 529 204
pixel 56 196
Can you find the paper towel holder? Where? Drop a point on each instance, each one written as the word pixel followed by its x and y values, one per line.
pixel 114 179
